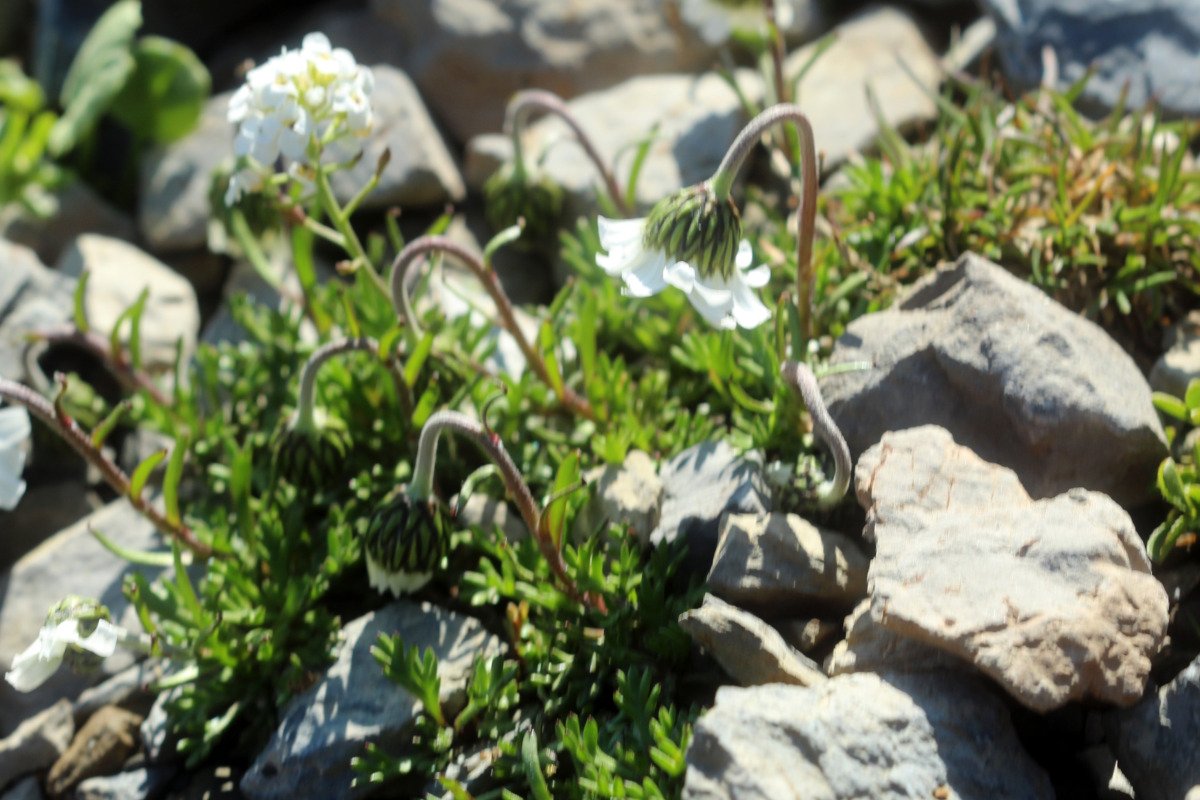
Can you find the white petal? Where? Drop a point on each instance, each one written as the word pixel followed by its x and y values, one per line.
pixel 758 277
pixel 14 431
pixel 104 640
pixel 11 490
pixel 617 233
pixel 744 255
pixel 748 310
pixel 14 425
pixel 717 313
pixel 398 583
pixel 715 291
pixel 646 277
pixel 680 275
pixel 316 43
pixel 29 670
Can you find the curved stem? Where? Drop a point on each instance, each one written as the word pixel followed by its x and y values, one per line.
pixel 777 52
pixel 514 119
pixel 81 443
pixel 407 260
pixel 421 487
pixel 806 213
pixel 305 403
pixel 804 383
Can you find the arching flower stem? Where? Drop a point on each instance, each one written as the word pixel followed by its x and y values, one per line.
pixel 802 381
pixel 806 215
pixel 421 487
pixel 408 259
pixel 528 100
pixel 306 398
pixel 114 476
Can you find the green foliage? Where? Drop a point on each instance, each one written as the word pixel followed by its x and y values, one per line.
pixel 26 174
pixel 1179 481
pixel 1101 215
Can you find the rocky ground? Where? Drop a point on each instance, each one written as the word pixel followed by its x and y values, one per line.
pixel 988 625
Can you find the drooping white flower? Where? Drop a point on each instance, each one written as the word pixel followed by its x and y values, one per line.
pixel 716 20
pixel 14 432
pixel 693 242
pixel 34 666
pixel 305 106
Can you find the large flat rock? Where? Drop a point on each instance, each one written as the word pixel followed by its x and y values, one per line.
pixel 1053 599
pixel 1011 374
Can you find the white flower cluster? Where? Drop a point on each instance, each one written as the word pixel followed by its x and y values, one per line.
pixel 34 666
pixel 306 105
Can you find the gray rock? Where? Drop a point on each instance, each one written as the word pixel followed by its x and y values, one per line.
pixel 808 635
pixel 45 508
pixel 37 742
pixel 209 783
pixel 101 747
pixel 1144 47
pixel 128 689
pixel 1153 739
pixel 694 120
pixel 750 650
pixel 469 56
pixel 622 494
pixel 135 784
pixel 71 561
pixel 175 181
pixel 421 171
pixel 119 273
pixel 1011 374
pixel 1180 364
pixel 77 210
pixel 24 789
pixel 31 297
pixel 880 50
pixel 699 485
pixel 353 703
pixel 855 736
pixel 1054 599
pixel 488 512
pixel 870 647
pixel 777 560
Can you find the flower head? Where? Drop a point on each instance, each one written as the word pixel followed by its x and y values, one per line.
pixel 307 455
pixel 14 432
pixel 306 106
pixel 691 240
pixel 78 630
pixel 404 544
pixel 716 20
pixel 511 194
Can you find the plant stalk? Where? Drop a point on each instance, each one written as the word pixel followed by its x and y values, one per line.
pixel 802 381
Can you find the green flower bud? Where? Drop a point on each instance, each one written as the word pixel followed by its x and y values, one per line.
pixel 694 226
pixel 509 196
pixel 87 612
pixel 405 542
pixel 308 458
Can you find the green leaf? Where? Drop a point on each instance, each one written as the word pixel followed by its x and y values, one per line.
pixel 142 474
pixel 144 558
pixel 1170 405
pixel 164 97
pixel 568 477
pixel 533 767
pixel 100 432
pixel 171 482
pixel 104 63
pixel 1192 395
pixel 1171 486
pixel 81 321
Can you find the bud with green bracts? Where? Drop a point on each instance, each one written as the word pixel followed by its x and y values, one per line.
pixel 87 613
pixel 511 195
pixel 696 226
pixel 310 457
pixel 405 542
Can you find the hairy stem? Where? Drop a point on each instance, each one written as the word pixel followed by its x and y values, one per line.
pixel 529 99
pixel 806 214
pixel 81 443
pixel 306 403
pixel 421 487
pixel 804 384
pixel 408 260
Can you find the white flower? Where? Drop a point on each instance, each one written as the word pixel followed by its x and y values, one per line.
pixel 724 302
pixel 716 20
pixel 41 659
pixel 14 432
pixel 380 578
pixel 305 106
